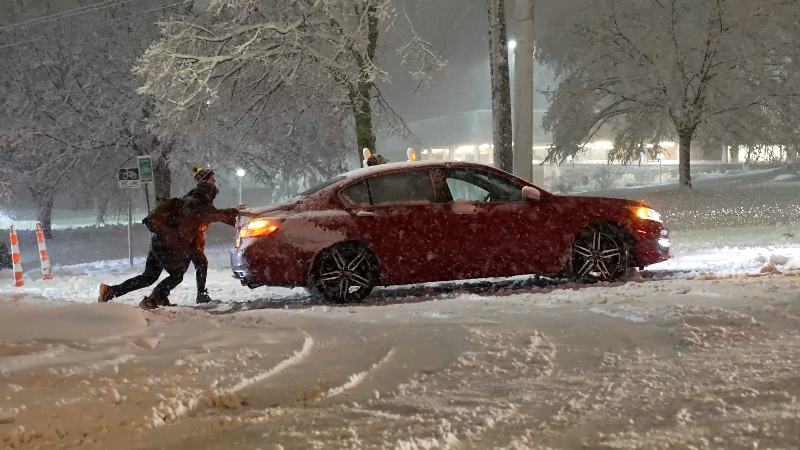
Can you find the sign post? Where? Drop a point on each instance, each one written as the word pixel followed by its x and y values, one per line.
pixel 146 176
pixel 129 179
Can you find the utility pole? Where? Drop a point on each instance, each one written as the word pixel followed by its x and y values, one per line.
pixel 523 92
pixel 501 89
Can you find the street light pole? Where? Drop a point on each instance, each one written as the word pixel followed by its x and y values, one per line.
pixel 660 157
pixel 240 174
pixel 522 91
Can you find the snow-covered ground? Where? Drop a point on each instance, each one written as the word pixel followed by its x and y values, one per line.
pixel 698 362
pixel 701 351
pixel 749 251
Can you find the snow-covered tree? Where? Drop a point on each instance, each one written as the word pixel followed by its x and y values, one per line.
pixel 652 70
pixel 236 55
pixel 69 99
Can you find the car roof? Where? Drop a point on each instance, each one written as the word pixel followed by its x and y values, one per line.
pixel 409 165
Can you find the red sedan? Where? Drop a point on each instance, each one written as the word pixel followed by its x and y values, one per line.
pixel 408 223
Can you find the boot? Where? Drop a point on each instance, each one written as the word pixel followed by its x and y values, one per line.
pixel 164 302
pixel 106 293
pixel 149 302
pixel 203 297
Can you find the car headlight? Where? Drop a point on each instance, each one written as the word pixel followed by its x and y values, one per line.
pixel 647 214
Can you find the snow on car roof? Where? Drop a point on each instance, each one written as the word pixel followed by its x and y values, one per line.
pixel 391 167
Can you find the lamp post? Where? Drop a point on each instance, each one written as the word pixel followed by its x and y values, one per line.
pixel 660 158
pixel 239 174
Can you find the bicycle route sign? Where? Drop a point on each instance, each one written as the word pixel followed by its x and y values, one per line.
pixel 129 178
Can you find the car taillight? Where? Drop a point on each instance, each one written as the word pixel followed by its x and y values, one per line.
pixel 258 228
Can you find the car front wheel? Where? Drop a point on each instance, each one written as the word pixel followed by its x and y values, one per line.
pixel 600 253
pixel 345 273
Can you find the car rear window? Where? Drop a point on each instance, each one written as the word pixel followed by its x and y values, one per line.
pixel 358 194
pixel 404 187
pixel 320 187
pixel 394 188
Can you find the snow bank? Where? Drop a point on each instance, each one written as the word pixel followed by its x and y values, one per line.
pixel 81 283
pixel 21 322
pixel 733 260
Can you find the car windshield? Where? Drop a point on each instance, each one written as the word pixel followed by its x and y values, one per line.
pixel 319 187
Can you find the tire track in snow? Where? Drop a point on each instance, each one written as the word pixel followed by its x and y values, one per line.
pixel 357 378
pixel 63 355
pixel 293 360
pixel 173 409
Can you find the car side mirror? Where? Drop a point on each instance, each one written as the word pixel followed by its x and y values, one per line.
pixel 531 194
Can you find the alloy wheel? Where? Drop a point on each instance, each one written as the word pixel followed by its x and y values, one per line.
pixel 345 273
pixel 598 256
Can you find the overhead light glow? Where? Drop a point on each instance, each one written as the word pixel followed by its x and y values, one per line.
pixel 466 149
pixel 240 173
pixel 484 147
pixel 512 45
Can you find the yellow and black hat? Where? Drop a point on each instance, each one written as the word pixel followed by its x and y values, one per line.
pixel 201 174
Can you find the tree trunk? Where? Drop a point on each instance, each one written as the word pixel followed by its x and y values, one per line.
pixel 44 199
pixel 362 112
pixel 46 215
pixel 101 208
pixel 501 87
pixel 734 153
pixel 684 159
pixel 163 178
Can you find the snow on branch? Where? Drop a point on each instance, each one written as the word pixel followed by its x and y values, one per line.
pixel 642 71
pixel 249 58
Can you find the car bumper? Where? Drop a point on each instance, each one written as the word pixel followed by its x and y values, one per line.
pixel 653 245
pixel 257 262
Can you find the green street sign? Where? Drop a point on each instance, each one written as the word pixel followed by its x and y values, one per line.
pixel 145 169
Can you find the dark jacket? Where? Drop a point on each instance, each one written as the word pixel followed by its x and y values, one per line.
pixel 199 212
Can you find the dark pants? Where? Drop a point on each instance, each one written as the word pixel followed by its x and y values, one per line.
pixel 199 258
pixel 200 269
pixel 158 259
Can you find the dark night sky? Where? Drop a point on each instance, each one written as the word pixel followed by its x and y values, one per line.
pixel 458 29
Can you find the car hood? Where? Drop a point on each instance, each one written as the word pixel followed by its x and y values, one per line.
pixel 280 207
pixel 598 202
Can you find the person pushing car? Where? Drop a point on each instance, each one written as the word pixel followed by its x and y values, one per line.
pixel 201 210
pixel 177 229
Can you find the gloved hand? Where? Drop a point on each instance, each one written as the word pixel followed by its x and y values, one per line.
pixel 242 212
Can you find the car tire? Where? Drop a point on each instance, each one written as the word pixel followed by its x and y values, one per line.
pixel 600 253
pixel 345 273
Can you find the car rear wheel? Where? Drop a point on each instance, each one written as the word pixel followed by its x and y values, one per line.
pixel 345 273
pixel 600 253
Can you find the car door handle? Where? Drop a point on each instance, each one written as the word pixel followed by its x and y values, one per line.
pixel 464 209
pixel 366 214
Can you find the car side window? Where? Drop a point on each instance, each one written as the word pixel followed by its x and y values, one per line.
pixel 358 194
pixel 482 186
pixel 402 187
pixel 461 190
